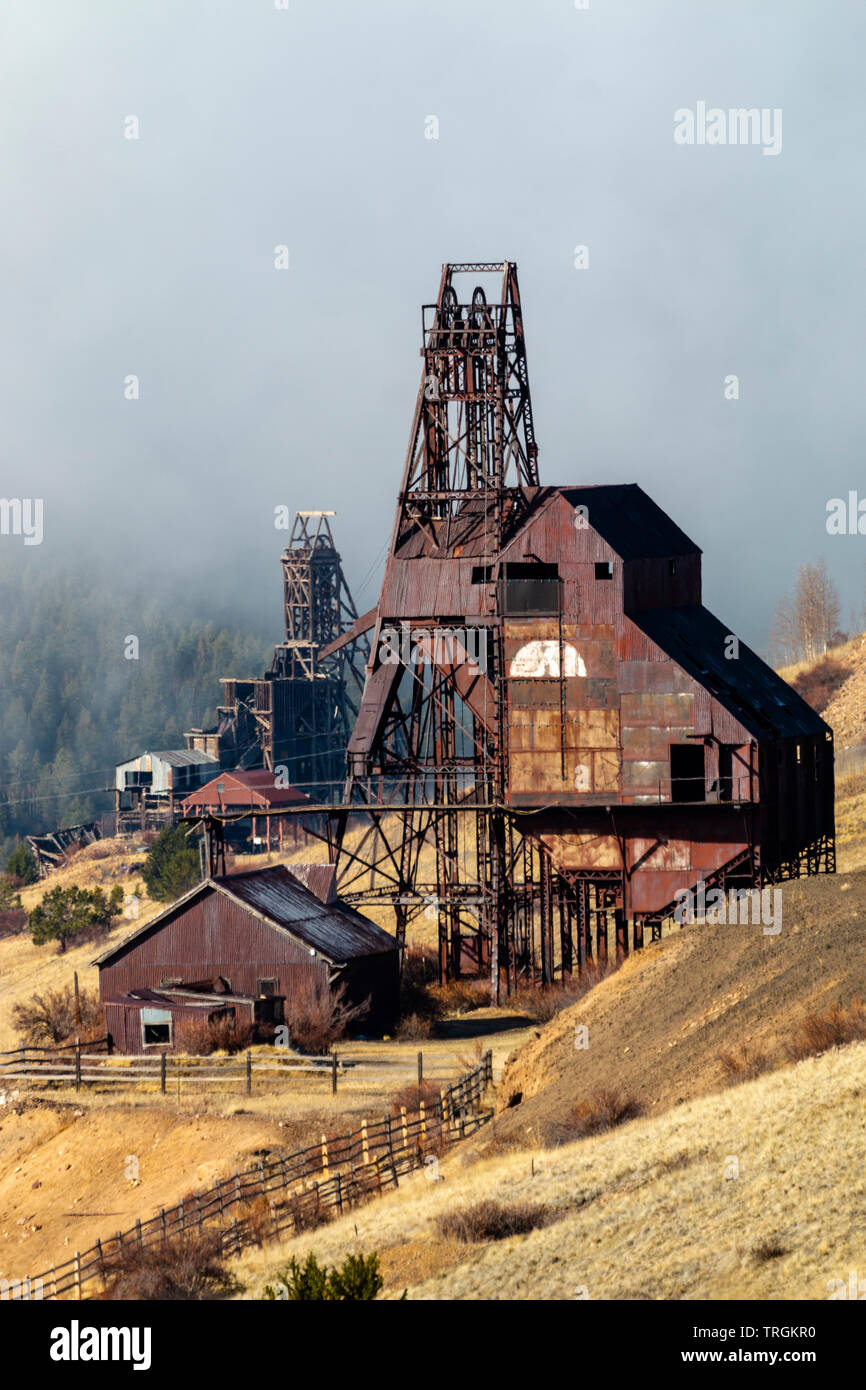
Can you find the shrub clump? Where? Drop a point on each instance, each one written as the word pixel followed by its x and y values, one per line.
pixel 603 1110
pixel 48 1019
pixel 410 1098
pixel 820 1032
pixel 358 1280
pixel 319 1016
pixel 491 1220
pixel 743 1064
pixel 190 1267
pixel 199 1037
pixel 542 1003
pixel 770 1248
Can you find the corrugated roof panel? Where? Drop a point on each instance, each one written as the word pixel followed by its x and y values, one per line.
pixel 335 930
pixel 745 686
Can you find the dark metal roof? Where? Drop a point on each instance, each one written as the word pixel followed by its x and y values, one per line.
pixel 747 687
pixel 630 521
pixel 335 930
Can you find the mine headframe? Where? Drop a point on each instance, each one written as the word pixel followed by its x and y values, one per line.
pixel 427 755
pixel 299 714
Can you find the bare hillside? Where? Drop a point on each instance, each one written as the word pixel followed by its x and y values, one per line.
pixel 835 685
pixel 658 1026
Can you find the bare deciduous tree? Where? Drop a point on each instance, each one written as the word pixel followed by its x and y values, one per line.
pixel 807 621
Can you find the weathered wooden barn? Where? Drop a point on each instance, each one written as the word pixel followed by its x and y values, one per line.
pixel 247 943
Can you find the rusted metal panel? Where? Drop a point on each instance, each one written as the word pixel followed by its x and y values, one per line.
pixel 670 710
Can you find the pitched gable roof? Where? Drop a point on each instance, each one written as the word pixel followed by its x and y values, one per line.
pixel 334 930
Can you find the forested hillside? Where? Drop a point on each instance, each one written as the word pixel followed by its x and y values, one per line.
pixel 72 704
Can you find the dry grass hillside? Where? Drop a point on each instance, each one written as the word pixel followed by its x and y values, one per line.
pixel 658 1027
pixel 835 685
pixel 754 1193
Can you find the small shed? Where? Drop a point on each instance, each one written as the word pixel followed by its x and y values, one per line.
pixel 150 788
pixel 255 789
pixel 251 942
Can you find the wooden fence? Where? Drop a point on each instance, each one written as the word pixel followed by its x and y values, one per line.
pixel 80 1067
pixel 294 1191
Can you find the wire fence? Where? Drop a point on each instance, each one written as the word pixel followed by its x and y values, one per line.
pixel 293 1192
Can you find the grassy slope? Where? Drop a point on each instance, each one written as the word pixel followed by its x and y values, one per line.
pixel 646 1211
pixel 658 1025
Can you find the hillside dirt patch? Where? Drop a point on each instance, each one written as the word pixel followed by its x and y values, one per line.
pixel 65 1172
pixel 657 1028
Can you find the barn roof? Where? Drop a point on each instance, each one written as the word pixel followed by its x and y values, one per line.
pixel 257 779
pixel 334 930
pixel 746 686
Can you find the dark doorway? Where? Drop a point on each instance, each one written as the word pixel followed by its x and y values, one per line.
pixel 688 779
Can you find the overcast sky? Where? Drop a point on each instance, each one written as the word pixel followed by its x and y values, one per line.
pixel 258 387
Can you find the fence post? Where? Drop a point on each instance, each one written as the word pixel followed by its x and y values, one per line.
pixel 162 1071
pixel 423 1115
pixel 180 1215
pixel 420 1068
pixel 262 1175
pixel 53 1281
pixel 77 1274
pixel 365 1148
pixel 339 1182
pixel 78 1064
pixel 198 1208
pixel 325 1157
pixel 404 1128
pixel 333 1073
pixel 237 1187
pixel 138 1232
pixel 162 1217
pixel 249 1072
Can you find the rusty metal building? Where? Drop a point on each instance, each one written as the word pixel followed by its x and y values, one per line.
pixel 555 737
pixel 252 941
